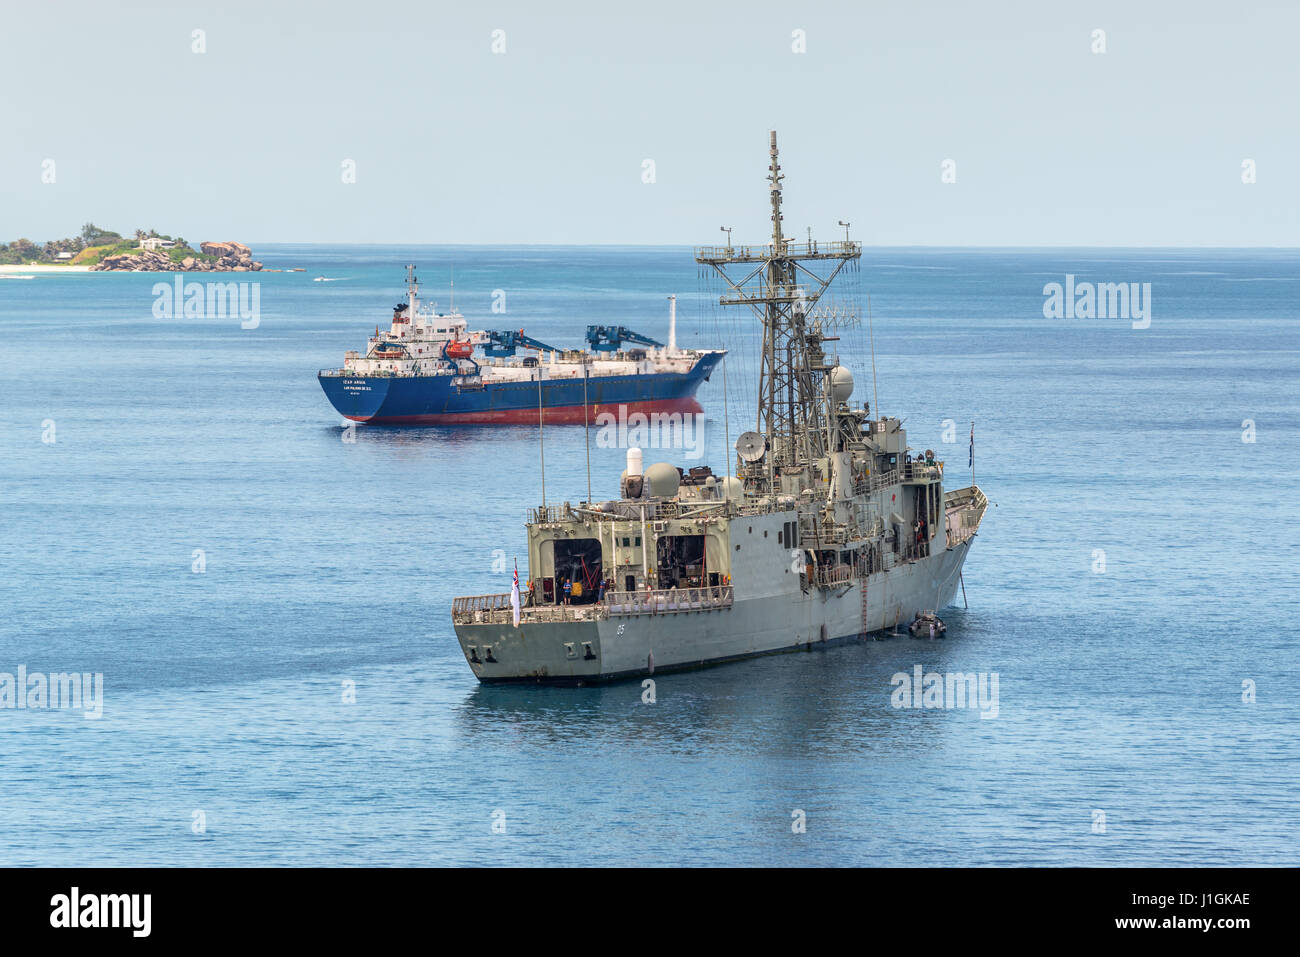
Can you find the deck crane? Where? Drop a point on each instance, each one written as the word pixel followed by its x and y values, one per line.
pixel 610 338
pixel 505 342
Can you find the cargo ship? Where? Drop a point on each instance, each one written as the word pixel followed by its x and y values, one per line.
pixel 428 368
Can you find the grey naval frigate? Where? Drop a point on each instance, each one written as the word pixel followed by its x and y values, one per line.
pixel 829 530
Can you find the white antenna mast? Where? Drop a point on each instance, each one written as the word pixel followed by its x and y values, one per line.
pixel 412 291
pixel 672 325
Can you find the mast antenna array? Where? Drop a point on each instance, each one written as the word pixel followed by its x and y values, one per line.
pixel 782 282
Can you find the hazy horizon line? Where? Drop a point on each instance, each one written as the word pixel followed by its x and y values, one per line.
pixel 282 242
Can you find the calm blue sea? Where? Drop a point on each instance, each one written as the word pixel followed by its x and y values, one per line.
pixel 326 562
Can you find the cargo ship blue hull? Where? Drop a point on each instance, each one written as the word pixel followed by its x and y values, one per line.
pixel 449 400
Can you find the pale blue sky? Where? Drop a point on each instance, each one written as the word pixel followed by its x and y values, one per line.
pixel 1053 144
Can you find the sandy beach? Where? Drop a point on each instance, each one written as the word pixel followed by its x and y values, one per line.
pixel 43 268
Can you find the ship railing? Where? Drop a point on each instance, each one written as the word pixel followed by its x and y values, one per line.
pixel 831 575
pixel 769 507
pixel 496 610
pixel 591 612
pixel 811 532
pixel 470 604
pixel 654 511
pixel 909 472
pixel 958 534
pixel 548 514
pixel 963 510
pixel 668 601
pixel 877 481
pixel 914 550
pixel 922 471
pixel 756 253
pixel 377 374
pixel 481 608
pixel 651 511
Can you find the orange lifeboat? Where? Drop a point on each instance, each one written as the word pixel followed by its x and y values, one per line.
pixel 459 350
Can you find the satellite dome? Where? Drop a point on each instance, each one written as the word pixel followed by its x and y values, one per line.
pixel 662 480
pixel 840 382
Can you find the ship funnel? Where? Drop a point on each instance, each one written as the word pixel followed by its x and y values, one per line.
pixel 672 325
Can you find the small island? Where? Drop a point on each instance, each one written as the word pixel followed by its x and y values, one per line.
pixel 97 249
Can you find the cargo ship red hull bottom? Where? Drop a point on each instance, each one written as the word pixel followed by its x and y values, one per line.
pixel 563 415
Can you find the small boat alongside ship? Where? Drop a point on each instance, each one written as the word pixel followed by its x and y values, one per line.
pixel 429 368
pixel 928 625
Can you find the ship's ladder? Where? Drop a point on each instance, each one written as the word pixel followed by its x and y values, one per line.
pixel 863 633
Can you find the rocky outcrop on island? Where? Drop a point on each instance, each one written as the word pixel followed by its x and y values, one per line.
pixel 226 250
pixel 229 257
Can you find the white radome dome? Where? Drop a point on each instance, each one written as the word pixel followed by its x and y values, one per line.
pixel 841 384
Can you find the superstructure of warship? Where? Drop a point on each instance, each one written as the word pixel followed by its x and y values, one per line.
pixel 829 530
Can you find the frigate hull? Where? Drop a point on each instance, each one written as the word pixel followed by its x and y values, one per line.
pixel 645 637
